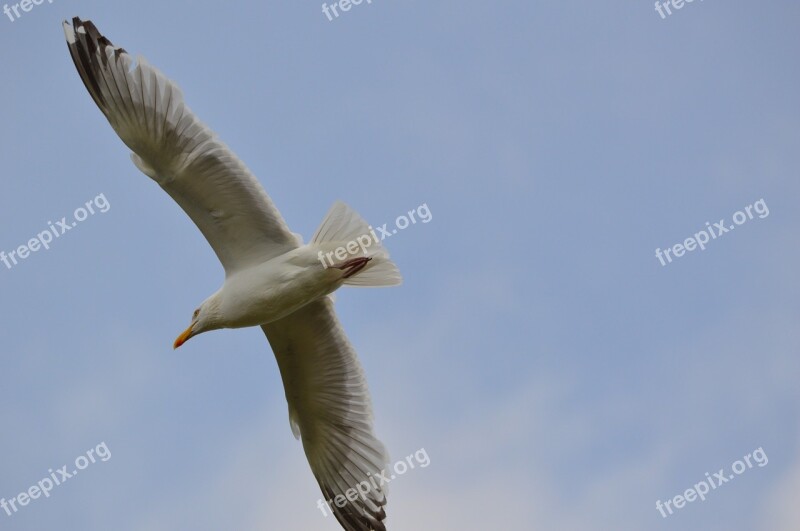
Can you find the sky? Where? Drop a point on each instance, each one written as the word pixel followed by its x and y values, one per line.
pixel 556 371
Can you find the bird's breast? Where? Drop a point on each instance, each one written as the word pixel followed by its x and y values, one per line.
pixel 275 289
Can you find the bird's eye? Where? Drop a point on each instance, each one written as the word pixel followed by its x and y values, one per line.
pixel 196 313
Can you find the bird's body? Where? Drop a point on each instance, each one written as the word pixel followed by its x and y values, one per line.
pixel 272 280
pixel 276 288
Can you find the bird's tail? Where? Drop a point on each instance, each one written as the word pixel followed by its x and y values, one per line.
pixel 344 236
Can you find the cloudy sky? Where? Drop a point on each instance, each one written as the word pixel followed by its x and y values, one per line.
pixel 557 374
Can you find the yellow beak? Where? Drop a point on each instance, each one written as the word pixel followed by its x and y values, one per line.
pixel 184 337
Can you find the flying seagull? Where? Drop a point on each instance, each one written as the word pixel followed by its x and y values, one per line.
pixel 272 280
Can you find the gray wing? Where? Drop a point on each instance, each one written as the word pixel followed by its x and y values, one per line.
pixel 330 409
pixel 170 145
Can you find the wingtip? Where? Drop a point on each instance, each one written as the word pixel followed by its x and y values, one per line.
pixel 69 32
pixel 76 26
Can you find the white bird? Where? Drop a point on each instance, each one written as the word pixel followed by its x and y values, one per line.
pixel 272 280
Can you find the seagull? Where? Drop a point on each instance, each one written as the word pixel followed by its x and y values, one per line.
pixel 272 279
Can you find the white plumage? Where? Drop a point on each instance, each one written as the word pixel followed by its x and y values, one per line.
pixel 272 280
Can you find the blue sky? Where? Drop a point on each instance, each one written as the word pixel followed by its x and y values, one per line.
pixel 557 374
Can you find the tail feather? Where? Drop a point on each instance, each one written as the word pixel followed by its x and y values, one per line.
pixel 344 232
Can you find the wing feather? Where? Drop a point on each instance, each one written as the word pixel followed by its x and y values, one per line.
pixel 329 407
pixel 185 157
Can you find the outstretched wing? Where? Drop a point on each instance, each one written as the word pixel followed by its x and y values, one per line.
pixel 330 409
pixel 179 152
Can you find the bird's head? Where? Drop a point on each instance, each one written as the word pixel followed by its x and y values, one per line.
pixel 203 320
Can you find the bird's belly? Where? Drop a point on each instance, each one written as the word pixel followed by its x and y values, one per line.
pixel 270 296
